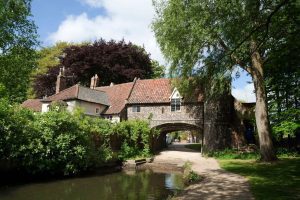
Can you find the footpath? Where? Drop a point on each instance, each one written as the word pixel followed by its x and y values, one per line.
pixel 217 183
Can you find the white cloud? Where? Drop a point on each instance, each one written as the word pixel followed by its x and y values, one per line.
pixel 245 94
pixel 93 3
pixel 126 19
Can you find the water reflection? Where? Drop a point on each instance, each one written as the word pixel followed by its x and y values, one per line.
pixel 134 186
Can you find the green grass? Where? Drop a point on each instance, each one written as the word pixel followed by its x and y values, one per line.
pixel 196 147
pixel 279 180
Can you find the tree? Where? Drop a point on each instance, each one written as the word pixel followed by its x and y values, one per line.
pixel 213 37
pixel 282 82
pixel 18 38
pixel 116 62
pixel 48 57
pixel 158 70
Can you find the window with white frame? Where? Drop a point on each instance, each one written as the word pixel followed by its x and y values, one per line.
pixel 175 104
pixel 136 108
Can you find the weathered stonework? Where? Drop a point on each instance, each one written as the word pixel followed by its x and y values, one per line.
pixel 217 123
pixel 190 114
pixel 217 120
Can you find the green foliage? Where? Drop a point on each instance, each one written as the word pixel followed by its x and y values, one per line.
pixel 15 123
pixel 50 56
pixel 58 106
pixel 158 70
pixel 233 154
pixel 60 142
pixel 52 142
pixel 285 153
pixel 189 176
pixel 278 180
pixel 18 38
pixel 135 136
pixel 287 123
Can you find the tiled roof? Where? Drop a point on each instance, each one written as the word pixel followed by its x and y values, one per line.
pixel 151 91
pixel 156 91
pixel 33 104
pixel 79 92
pixel 117 96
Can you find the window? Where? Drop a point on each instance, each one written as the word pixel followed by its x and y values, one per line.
pixel 136 108
pixel 175 104
pixel 97 110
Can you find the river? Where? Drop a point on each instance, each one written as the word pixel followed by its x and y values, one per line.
pixel 131 185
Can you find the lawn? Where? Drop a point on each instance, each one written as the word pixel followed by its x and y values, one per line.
pixel 280 180
pixel 196 146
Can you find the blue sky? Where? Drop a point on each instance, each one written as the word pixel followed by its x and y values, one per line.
pixel 87 20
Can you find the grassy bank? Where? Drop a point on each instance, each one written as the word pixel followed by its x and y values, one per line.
pixel 280 180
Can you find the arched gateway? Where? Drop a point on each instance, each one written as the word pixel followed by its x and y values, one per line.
pixel 158 101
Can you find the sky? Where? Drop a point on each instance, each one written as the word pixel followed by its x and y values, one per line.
pixel 88 20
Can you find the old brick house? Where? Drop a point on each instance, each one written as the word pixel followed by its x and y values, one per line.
pixel 156 100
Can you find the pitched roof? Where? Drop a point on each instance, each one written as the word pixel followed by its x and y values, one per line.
pixel 117 96
pixel 33 104
pixel 81 93
pixel 156 91
pixel 151 91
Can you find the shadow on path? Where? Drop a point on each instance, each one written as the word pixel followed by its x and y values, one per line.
pixel 217 183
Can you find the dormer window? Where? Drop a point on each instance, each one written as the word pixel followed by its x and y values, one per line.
pixel 175 99
pixel 175 104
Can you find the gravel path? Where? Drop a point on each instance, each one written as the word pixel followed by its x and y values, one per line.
pixel 217 183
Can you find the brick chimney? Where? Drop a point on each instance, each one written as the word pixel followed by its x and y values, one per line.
pixel 61 82
pixel 94 81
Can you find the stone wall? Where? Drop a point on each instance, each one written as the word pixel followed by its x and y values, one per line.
pixel 217 123
pixel 190 113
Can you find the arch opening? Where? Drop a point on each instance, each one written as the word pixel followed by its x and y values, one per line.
pixel 189 133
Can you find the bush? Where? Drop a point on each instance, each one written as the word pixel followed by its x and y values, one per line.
pixel 189 176
pixel 52 142
pixel 15 124
pixel 284 152
pixel 135 137
pixel 60 142
pixel 233 154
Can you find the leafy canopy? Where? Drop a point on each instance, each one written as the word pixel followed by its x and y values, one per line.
pixel 113 61
pixel 18 38
pixel 210 38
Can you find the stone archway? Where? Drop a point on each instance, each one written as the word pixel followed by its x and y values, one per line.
pixel 160 141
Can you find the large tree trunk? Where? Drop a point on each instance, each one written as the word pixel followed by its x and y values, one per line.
pixel 261 110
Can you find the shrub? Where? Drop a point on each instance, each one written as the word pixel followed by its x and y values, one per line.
pixel 52 142
pixel 189 176
pixel 135 137
pixel 233 154
pixel 60 142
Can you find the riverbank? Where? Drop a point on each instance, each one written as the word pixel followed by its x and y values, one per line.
pixel 278 180
pixel 217 183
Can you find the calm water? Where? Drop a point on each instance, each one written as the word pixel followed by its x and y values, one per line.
pixel 121 185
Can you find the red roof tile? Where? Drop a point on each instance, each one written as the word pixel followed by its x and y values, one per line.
pixel 33 104
pixel 117 96
pixel 151 91
pixel 156 91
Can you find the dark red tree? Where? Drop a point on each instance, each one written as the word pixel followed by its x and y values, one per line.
pixel 116 62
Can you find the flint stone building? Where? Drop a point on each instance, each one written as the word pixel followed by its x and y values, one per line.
pixel 221 123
